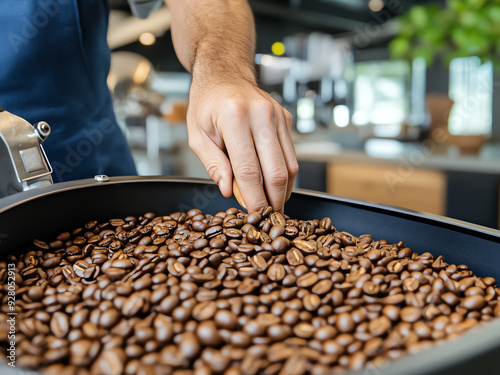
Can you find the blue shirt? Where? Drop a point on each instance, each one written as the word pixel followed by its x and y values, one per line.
pixel 54 61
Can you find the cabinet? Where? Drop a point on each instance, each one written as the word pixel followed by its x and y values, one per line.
pixel 418 189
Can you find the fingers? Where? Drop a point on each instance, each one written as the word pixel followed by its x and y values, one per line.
pixel 214 160
pixel 241 150
pixel 246 135
pixel 272 162
pixel 285 139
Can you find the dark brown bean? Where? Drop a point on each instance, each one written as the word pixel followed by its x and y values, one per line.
pixel 276 272
pixel 59 324
pixel 344 322
pixel 234 294
pixel 410 314
pixel 307 280
pixel 475 302
pixel 204 310
pixel 226 319
pixel 207 333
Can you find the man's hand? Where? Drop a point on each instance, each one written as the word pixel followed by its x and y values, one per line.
pixel 238 129
pixel 234 128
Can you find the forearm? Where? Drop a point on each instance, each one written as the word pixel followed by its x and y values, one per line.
pixel 236 129
pixel 214 39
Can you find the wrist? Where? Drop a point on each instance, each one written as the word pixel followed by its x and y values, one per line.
pixel 212 67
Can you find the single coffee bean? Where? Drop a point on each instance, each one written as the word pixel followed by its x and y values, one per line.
pixel 311 302
pixel 276 272
pixel 189 345
pixel 133 304
pixel 379 326
pixel 307 280
pixel 226 319
pixel 370 288
pixel 259 263
pixel 475 302
pixel 176 269
pixel 304 330
pixel 279 332
pixel 59 324
pixel 109 318
pixel 207 333
pixel 204 310
pixel 35 293
pixel 410 314
pixel 322 287
pixel 344 323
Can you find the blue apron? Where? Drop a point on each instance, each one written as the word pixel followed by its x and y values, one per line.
pixel 54 61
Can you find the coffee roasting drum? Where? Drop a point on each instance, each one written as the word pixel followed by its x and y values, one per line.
pixel 42 211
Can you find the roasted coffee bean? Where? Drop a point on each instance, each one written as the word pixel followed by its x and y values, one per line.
pixel 59 324
pixel 322 287
pixel 35 293
pixel 344 322
pixel 410 314
pixel 133 304
pixel 176 268
pixel 204 310
pixel 295 257
pixel 259 263
pixel 307 280
pixel 226 319
pixel 475 302
pixel 276 272
pixel 379 326
pixel 40 245
pixel 280 244
pixel 233 293
pixel 311 302
pixel 207 333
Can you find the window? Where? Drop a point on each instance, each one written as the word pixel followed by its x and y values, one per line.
pixel 382 95
pixel 471 89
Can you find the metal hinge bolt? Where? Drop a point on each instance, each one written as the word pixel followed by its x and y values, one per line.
pixel 101 178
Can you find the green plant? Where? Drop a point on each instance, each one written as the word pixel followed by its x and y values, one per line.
pixel 461 28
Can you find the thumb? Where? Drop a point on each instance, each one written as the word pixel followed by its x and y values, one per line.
pixel 216 164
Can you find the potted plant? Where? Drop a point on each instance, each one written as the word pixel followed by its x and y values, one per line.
pixel 451 30
pixel 460 28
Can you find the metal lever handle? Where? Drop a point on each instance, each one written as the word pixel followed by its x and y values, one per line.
pixel 23 163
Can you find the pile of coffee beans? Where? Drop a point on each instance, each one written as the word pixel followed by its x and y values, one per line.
pixel 234 293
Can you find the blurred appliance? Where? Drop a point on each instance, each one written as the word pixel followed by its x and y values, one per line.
pixel 143 8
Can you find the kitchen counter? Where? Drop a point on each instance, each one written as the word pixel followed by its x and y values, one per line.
pixel 426 154
pixel 424 176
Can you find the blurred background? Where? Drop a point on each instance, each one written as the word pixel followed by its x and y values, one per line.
pixel 393 101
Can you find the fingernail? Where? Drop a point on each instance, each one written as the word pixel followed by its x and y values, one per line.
pixel 237 194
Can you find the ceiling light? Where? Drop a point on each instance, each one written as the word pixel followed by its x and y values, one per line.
pixel 278 48
pixel 147 39
pixel 376 5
